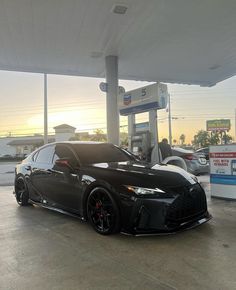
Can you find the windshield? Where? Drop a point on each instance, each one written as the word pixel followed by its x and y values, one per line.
pixel 101 153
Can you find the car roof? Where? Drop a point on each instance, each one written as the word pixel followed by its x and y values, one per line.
pixel 204 148
pixel 79 142
pixel 67 143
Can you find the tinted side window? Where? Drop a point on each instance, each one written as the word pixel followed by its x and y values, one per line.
pixel 99 153
pixel 62 151
pixel 45 155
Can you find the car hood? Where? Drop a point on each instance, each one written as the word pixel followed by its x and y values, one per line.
pixel 143 174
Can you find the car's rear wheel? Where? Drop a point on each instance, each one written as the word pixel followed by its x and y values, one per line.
pixel 21 191
pixel 103 212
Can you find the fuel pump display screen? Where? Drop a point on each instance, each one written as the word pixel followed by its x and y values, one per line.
pixel 135 150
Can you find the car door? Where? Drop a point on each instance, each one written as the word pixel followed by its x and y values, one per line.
pixel 41 172
pixel 64 187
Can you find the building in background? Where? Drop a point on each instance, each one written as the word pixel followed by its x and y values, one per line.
pixel 5 148
pixel 25 145
pixel 21 146
pixel 64 132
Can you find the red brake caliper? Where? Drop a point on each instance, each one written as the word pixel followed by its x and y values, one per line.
pixel 98 206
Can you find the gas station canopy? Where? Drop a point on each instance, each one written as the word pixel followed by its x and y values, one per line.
pixel 184 41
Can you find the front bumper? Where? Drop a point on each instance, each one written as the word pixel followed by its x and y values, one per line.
pixel 170 215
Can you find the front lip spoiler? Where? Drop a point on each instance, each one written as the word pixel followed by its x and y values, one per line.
pixel 182 227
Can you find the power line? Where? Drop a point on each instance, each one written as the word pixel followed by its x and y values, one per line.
pixel 54 109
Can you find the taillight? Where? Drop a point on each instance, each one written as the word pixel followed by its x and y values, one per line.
pixel 190 157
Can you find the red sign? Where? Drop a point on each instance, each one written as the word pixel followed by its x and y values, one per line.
pixel 223 155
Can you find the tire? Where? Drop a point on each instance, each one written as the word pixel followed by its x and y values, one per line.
pixel 22 194
pixel 103 212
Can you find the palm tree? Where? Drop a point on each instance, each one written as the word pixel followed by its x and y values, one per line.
pixel 182 139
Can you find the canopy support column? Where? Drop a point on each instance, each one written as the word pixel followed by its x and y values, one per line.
pixel 131 123
pixel 155 156
pixel 113 123
pixel 153 127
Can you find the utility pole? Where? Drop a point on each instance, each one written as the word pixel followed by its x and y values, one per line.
pixel 169 117
pixel 45 110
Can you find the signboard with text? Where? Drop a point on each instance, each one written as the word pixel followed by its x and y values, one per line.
pixel 152 97
pixel 223 164
pixel 218 125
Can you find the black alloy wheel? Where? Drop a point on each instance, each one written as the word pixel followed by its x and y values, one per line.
pixel 103 212
pixel 22 194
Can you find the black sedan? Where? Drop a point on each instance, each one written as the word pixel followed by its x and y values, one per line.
pixel 106 185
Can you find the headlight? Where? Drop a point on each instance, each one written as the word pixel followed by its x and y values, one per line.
pixel 144 190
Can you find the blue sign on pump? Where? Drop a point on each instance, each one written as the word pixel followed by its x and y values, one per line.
pixel 127 99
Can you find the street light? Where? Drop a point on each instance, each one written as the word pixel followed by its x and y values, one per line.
pixel 45 110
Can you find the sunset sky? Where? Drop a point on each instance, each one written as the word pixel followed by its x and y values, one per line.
pixel 78 101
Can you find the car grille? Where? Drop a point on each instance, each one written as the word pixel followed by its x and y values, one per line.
pixel 191 202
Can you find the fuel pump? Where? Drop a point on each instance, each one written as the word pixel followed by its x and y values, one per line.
pixel 143 137
pixel 141 144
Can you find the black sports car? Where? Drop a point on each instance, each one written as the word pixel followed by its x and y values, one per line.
pixel 109 187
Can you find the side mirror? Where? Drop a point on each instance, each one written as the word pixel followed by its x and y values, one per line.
pixel 64 162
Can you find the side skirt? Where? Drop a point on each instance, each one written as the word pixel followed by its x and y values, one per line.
pixel 58 210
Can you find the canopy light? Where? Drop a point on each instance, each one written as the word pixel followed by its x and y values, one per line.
pixel 119 9
pixel 96 54
pixel 216 66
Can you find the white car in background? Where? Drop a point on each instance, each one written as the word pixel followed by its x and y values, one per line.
pixel 196 162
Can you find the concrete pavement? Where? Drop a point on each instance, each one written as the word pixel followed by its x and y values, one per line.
pixel 7 173
pixel 42 249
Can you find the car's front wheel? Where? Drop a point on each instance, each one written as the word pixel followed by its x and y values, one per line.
pixel 21 191
pixel 103 212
